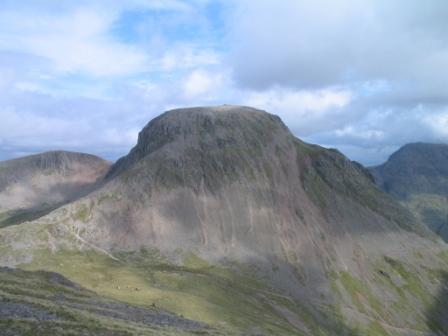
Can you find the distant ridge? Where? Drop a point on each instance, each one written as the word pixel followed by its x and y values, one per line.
pixel 417 174
pixel 33 185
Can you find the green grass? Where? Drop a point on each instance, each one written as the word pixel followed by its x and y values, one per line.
pixel 376 329
pixel 413 283
pixel 109 197
pixel 361 295
pixel 405 288
pixel 192 261
pixel 75 313
pixel 411 288
pixel 83 212
pixel 226 299
pixel 231 299
pixel 444 256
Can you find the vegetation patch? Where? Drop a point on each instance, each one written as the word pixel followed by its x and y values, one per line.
pixel 46 303
pixel 376 329
pixel 361 295
pixel 226 299
pixel 413 283
pixel 443 255
pixel 104 198
pixel 83 212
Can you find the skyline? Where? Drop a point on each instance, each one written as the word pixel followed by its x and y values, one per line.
pixel 364 77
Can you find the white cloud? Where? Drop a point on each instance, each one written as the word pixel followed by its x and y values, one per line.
pixel 186 57
pixel 300 101
pixel 74 42
pixel 369 134
pixel 200 82
pixel 28 86
pixel 365 76
pixel 104 132
pixel 69 81
pixel 304 111
pixel 438 122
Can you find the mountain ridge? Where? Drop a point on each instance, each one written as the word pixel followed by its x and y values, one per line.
pixel 36 184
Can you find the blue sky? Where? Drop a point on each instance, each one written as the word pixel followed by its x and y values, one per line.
pixel 364 76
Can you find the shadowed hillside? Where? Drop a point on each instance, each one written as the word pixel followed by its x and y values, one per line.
pixel 32 186
pixel 417 174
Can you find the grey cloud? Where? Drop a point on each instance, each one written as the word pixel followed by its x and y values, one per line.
pixel 371 138
pixel 393 56
pixel 308 44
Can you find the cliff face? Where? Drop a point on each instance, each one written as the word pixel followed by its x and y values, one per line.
pixel 33 185
pixel 417 174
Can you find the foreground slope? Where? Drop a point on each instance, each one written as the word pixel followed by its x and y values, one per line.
pixel 417 174
pixel 42 303
pixel 34 185
pixel 222 215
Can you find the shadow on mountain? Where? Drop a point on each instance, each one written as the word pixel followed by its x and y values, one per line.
pixel 19 216
pixel 437 315
pixel 67 191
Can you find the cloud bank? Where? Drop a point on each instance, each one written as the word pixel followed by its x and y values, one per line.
pixel 364 76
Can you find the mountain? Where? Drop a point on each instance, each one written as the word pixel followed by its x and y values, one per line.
pixel 232 179
pixel 221 215
pixel 34 185
pixel 417 174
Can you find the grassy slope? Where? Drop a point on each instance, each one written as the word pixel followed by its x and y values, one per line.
pixel 233 301
pixel 406 289
pixel 44 303
pixel 392 294
pixel 227 300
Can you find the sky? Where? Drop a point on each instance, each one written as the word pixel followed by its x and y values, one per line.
pixel 362 76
